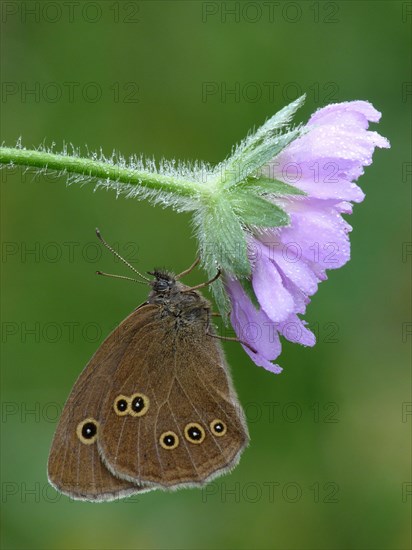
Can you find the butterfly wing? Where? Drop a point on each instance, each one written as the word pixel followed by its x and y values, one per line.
pixel 184 424
pixel 75 466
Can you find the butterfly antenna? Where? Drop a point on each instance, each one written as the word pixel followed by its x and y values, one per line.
pixel 119 277
pixel 113 251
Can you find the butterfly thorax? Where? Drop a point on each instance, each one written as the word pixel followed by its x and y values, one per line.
pixel 177 300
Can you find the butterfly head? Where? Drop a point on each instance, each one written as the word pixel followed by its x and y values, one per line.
pixel 164 282
pixel 176 298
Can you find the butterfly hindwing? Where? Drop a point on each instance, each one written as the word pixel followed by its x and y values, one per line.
pixel 172 440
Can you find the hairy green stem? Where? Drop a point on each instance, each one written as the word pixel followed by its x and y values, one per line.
pixel 100 170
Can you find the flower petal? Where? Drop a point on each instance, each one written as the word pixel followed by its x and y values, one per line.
pixel 253 327
pixel 322 178
pixel 320 233
pixel 326 160
pixel 363 108
pixel 273 297
pixel 300 299
pixel 336 143
pixel 260 361
pixel 294 330
pixel 297 270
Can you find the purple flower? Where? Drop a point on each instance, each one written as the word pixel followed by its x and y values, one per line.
pixel 289 262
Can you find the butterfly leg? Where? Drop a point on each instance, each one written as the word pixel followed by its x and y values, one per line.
pixel 191 268
pixel 202 285
pixel 232 339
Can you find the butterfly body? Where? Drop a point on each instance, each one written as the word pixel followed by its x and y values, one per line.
pixel 154 407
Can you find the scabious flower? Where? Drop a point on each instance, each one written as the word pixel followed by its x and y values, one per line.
pixel 289 261
pixel 269 217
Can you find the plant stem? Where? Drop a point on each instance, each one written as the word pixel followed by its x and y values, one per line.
pixel 100 170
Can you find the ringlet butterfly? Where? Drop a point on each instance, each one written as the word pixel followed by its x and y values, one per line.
pixel 155 407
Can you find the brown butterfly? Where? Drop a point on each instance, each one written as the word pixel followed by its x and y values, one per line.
pixel 155 407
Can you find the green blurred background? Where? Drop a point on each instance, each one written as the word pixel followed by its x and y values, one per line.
pixel 328 466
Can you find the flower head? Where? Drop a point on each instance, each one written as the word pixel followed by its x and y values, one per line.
pixel 289 261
